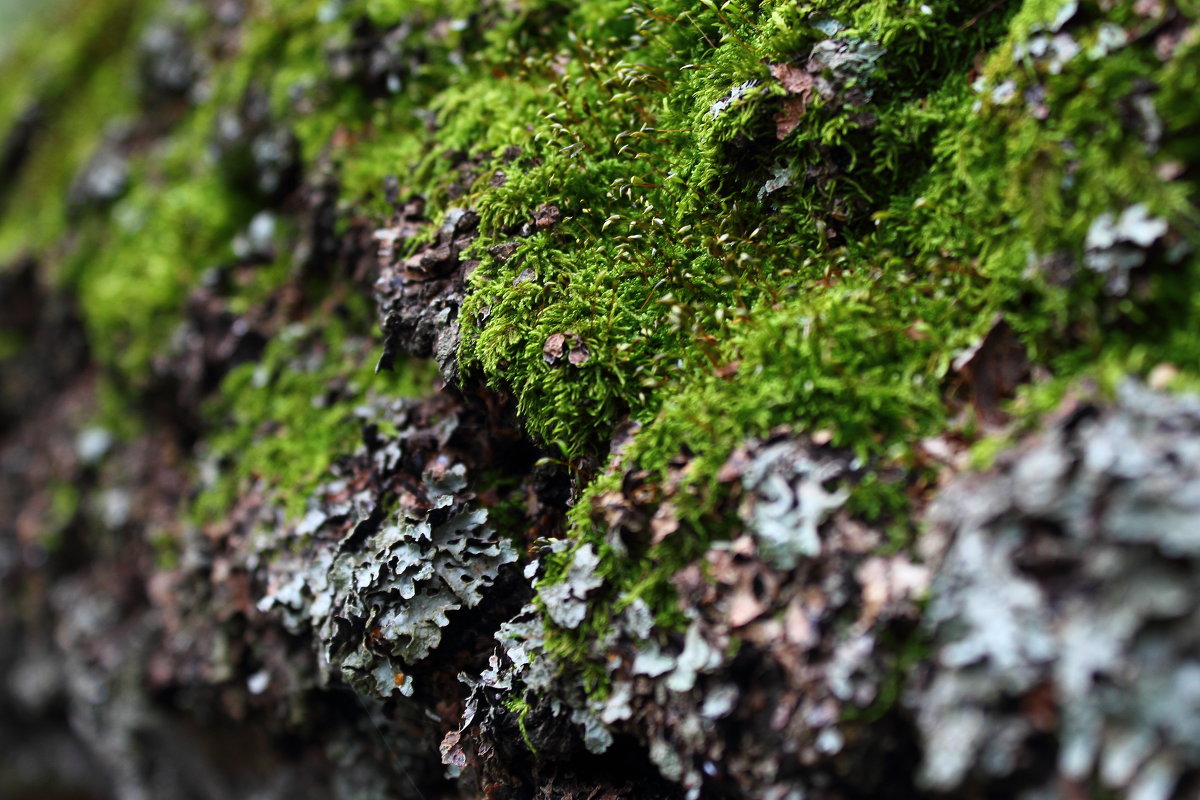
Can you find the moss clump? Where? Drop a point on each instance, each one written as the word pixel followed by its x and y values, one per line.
pixel 521 707
pixel 279 422
pixel 137 272
pixel 726 280
pixel 71 66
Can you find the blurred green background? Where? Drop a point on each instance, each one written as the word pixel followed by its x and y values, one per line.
pixel 15 14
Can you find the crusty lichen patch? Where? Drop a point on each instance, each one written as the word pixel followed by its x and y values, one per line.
pixel 813 612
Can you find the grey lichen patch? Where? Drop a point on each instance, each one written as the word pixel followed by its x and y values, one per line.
pixel 566 602
pixel 1066 606
pixel 842 68
pixel 1118 245
pixel 681 695
pixel 818 624
pixel 377 597
pixel 733 98
pixel 390 598
pixel 702 722
pixel 522 641
pixel 791 488
pixel 1047 45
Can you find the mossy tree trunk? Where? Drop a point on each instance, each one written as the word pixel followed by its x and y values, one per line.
pixel 523 398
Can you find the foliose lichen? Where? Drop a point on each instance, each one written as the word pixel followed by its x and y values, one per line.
pixel 374 586
pixel 817 627
pixel 1064 611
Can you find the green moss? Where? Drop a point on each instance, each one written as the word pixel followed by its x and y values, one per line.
pixel 664 246
pixel 72 69
pixel 133 281
pixel 167 550
pixel 64 505
pixel 279 422
pixel 842 298
pixel 133 264
pixel 521 707
pixel 11 343
pixel 136 262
